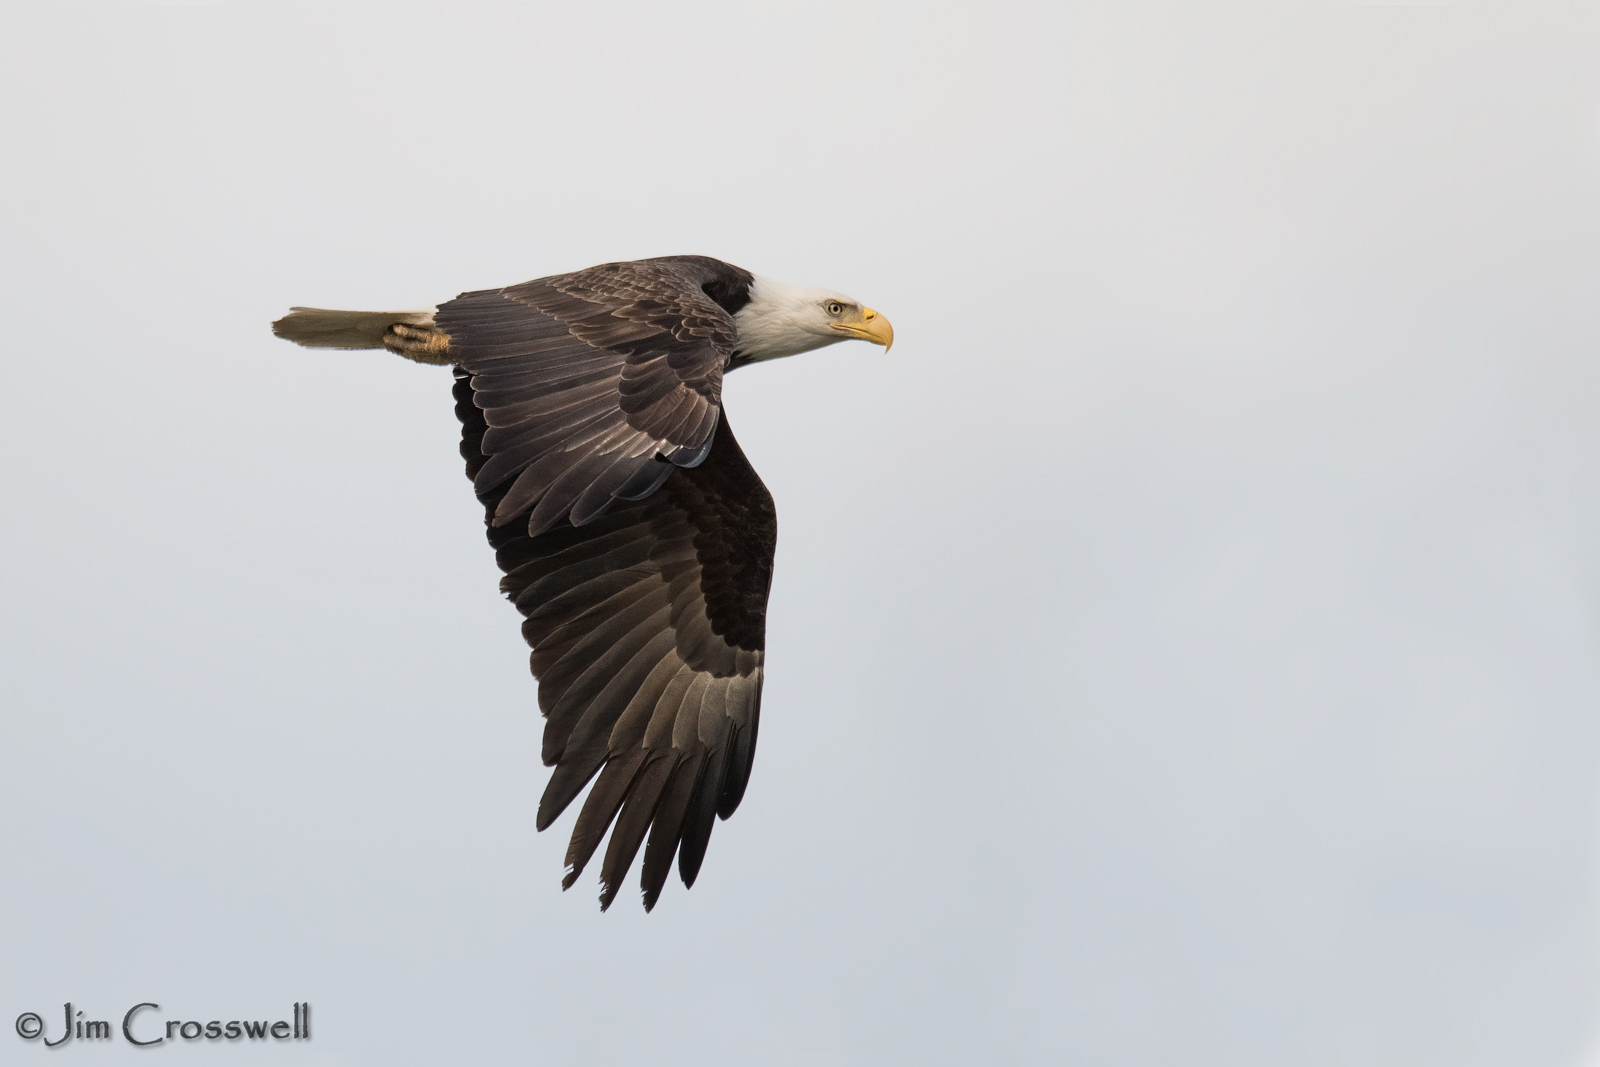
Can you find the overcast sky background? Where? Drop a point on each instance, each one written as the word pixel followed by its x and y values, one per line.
pixel 1183 644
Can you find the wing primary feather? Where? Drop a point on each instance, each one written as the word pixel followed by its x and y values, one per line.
pixel 581 755
pixel 604 801
pixel 668 826
pixel 564 653
pixel 592 702
pixel 534 582
pixel 701 817
pixel 565 783
pixel 637 812
pixel 596 632
pixel 741 757
pixel 554 615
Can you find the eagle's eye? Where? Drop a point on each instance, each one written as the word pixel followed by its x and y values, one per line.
pixel 835 308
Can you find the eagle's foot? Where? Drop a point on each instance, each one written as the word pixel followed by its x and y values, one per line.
pixel 424 344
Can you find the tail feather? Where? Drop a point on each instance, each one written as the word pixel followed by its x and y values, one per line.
pixel 321 328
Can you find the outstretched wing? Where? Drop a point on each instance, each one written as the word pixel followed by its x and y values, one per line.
pixel 648 628
pixel 584 378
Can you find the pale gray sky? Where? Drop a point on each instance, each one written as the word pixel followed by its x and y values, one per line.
pixel 1183 644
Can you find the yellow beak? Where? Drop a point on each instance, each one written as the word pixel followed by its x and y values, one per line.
pixel 871 326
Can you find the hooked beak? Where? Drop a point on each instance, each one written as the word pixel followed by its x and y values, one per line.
pixel 871 326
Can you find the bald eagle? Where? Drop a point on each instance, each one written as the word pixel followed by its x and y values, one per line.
pixel 635 538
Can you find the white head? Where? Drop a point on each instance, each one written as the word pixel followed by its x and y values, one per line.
pixel 784 320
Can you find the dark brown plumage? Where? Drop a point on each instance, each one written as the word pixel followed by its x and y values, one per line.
pixel 648 630
pixel 635 537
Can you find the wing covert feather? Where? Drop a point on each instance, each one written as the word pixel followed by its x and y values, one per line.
pixel 585 378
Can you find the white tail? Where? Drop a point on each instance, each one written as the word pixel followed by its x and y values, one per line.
pixel 321 328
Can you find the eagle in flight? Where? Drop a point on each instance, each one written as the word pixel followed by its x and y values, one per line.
pixel 636 539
